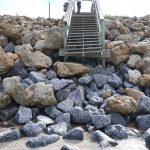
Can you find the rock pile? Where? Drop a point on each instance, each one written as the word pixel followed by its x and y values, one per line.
pixel 44 95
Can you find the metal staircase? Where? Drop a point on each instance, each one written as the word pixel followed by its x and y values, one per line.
pixel 84 33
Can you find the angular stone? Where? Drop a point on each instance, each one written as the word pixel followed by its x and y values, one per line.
pixel 100 79
pixel 95 100
pixel 116 118
pixel 143 105
pixel 40 94
pixel 9 48
pixel 65 117
pixel 75 134
pixel 99 136
pixel 132 60
pixel 80 116
pixel 51 75
pixel 23 115
pixel 141 47
pixel 3 41
pixel 128 84
pixel 143 122
pixel 27 81
pixel 42 140
pixel 28 58
pixel 133 93
pixel 8 113
pixel 62 95
pixel 33 129
pixel 4 100
pixel 60 84
pixel 98 70
pixel 134 75
pixel 45 120
pixel 37 77
pixel 15 89
pixel 5 62
pixel 136 26
pixel 121 104
pixel 52 112
pixel 100 121
pixel 145 80
pixel 64 69
pixel 9 134
pixel 59 129
pixel 114 80
pixel 85 79
pixel 116 131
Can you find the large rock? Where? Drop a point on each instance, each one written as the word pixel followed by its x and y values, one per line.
pixel 69 69
pixel 144 64
pixel 100 121
pixel 23 115
pixel 40 94
pixel 133 93
pixel 53 41
pixel 9 135
pixel 33 129
pixel 9 30
pixel 134 75
pixel 143 105
pixel 119 54
pixel 136 26
pixel 141 47
pixel 4 100
pixel 121 104
pixel 133 59
pixel 116 131
pixel 3 41
pixel 144 80
pixel 28 58
pixel 15 89
pixel 75 134
pixel 42 140
pixel 5 62
pixel 100 79
pixel 65 117
pixel 143 122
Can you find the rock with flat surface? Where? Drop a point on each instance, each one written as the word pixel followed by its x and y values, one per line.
pixel 134 75
pixel 62 95
pixel 33 129
pixel 100 121
pixel 144 80
pixel 9 134
pixel 44 119
pixel 75 134
pixel 116 131
pixel 42 140
pixel 65 69
pixel 85 79
pixel 59 128
pixel 28 58
pixel 100 79
pixel 121 104
pixel 23 115
pixel 65 117
pixel 132 60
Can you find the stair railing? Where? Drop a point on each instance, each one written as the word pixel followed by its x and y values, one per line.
pixel 67 20
pixel 101 28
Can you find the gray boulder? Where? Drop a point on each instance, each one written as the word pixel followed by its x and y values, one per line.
pixel 51 75
pixel 33 129
pixel 80 116
pixel 143 122
pixel 65 117
pixel 75 134
pixel 100 121
pixel 9 134
pixel 59 129
pixel 23 115
pixel 100 79
pixel 85 79
pixel 52 112
pixel 42 140
pixel 143 105
pixel 9 48
pixel 62 94
pixel 37 77
pixel 116 131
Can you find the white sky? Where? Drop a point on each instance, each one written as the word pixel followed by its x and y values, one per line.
pixel 36 8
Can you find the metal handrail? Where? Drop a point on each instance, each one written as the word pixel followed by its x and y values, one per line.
pixel 101 27
pixel 67 20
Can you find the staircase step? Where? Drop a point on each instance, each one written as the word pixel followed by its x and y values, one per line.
pixel 80 49
pixel 75 42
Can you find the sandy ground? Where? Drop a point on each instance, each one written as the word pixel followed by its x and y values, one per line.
pixel 86 144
